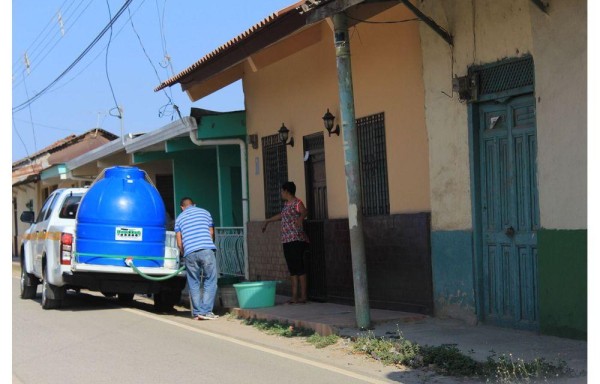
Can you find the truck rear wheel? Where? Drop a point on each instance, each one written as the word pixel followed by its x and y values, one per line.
pixel 125 298
pixel 29 283
pixel 165 300
pixel 51 294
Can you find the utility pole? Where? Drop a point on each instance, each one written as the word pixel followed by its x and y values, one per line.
pixel 353 185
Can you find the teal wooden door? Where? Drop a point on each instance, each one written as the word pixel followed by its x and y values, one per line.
pixel 509 212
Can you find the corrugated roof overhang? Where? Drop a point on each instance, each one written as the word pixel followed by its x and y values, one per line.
pixel 177 128
pixel 95 154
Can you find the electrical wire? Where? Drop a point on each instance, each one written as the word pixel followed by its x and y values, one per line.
pixel 31 117
pixel 19 136
pixel 32 55
pixel 106 64
pixel 95 57
pixel 163 111
pixel 45 125
pixel 145 52
pixel 168 64
pixel 98 37
pixel 55 44
pixel 17 61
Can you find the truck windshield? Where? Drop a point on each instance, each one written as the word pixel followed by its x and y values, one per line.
pixel 69 207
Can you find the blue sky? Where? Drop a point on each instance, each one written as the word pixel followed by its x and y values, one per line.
pixel 82 99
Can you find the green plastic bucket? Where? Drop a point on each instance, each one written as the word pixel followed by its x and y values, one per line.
pixel 256 294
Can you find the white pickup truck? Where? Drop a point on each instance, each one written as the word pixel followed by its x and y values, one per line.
pixel 48 257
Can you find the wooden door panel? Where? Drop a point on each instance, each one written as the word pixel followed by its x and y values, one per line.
pixel 509 211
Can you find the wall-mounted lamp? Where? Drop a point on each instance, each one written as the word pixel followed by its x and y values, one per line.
pixel 253 140
pixel 328 122
pixel 283 135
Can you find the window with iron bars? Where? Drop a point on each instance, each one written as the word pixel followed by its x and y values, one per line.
pixel 373 165
pixel 275 173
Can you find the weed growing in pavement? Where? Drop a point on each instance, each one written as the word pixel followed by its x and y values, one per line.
pixel 447 359
pixel 322 341
pixel 274 327
pixel 508 370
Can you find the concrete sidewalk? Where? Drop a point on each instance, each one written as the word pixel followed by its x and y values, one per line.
pixel 477 341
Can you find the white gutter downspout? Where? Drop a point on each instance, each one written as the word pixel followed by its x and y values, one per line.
pixel 242 144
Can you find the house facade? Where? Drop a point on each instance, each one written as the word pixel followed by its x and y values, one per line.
pixel 37 176
pixel 472 139
pixel 508 163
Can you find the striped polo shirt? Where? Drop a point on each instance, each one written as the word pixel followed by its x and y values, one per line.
pixel 194 224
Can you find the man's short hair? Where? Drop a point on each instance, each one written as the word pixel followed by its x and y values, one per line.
pixel 289 186
pixel 183 200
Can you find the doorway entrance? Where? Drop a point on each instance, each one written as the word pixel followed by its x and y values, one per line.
pixel 316 196
pixel 505 136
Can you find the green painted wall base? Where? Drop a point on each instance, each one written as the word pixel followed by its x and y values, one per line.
pixel 452 268
pixel 562 266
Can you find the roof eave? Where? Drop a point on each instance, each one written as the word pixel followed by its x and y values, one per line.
pixel 271 30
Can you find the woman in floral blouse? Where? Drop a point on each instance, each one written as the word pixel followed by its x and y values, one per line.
pixel 294 239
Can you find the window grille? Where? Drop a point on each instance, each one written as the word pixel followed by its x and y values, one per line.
pixel 316 183
pixel 373 165
pixel 504 75
pixel 275 172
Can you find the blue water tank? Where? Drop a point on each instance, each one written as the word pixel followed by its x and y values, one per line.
pixel 121 215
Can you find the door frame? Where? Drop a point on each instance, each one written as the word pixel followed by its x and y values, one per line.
pixel 475 179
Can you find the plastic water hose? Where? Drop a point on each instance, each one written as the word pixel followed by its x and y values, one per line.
pixel 129 263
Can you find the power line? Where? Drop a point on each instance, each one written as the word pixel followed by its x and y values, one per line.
pixel 31 117
pixel 56 43
pixel 32 54
pixel 19 136
pixel 95 57
pixel 106 65
pixel 39 94
pixel 16 61
pixel 162 110
pixel 45 125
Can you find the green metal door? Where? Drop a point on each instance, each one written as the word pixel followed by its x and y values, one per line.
pixel 509 211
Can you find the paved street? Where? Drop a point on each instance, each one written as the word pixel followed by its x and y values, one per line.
pixel 91 339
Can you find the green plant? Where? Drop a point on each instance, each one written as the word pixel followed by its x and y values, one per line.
pixel 275 327
pixel 389 352
pixel 508 370
pixel 322 341
pixel 449 360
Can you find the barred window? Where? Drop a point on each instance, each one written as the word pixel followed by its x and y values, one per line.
pixel 275 173
pixel 373 165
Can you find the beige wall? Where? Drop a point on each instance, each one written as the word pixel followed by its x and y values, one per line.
pixel 298 90
pixel 484 31
pixel 560 55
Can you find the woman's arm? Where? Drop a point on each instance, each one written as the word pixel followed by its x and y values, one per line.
pixel 303 213
pixel 276 217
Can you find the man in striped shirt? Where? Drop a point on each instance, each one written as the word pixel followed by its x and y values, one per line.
pixel 195 234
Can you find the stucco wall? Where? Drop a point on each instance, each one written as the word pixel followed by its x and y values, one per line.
pixel 484 31
pixel 560 56
pixel 298 90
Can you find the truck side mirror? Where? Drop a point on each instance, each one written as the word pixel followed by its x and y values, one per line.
pixel 28 217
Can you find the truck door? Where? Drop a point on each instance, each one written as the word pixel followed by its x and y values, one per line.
pixel 39 232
